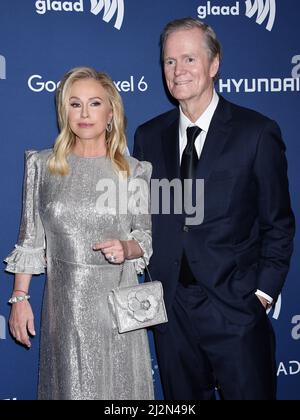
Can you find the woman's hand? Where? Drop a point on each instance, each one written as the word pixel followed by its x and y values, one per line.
pixel 116 252
pixel 21 322
pixel 113 250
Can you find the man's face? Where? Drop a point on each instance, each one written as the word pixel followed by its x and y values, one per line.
pixel 188 71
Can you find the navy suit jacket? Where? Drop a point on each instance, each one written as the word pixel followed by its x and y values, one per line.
pixel 246 238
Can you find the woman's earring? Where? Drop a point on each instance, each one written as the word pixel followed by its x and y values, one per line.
pixel 109 127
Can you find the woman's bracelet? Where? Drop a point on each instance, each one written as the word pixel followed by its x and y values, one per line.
pixel 19 290
pixel 17 299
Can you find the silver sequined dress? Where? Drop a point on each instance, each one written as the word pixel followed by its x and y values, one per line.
pixel 82 354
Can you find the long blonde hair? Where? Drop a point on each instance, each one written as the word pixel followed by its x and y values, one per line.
pixel 115 139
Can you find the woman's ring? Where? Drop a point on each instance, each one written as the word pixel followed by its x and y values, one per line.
pixel 112 258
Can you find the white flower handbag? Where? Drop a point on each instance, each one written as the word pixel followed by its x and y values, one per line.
pixel 139 306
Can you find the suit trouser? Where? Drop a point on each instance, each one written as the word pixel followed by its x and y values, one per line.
pixel 199 349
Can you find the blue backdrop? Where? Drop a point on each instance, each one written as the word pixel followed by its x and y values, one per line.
pixel 41 40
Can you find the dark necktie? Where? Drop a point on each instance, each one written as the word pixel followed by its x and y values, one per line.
pixel 189 163
pixel 189 159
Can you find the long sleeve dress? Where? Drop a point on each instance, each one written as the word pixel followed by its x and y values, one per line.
pixel 82 355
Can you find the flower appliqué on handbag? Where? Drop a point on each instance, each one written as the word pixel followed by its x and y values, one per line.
pixel 144 306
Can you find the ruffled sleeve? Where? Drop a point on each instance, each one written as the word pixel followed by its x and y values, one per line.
pixel 139 206
pixel 28 257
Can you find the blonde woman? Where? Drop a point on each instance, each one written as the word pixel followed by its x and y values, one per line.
pixel 89 249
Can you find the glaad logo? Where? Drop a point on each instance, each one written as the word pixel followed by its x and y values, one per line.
pixel 209 9
pixel 2 328
pixel 110 8
pixel 2 68
pixel 43 6
pixel 263 10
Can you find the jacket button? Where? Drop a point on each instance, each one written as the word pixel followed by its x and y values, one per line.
pixel 186 228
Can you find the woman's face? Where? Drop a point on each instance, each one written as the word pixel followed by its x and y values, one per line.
pixel 89 110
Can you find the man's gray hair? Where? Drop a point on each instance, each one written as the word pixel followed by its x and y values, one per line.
pixel 212 44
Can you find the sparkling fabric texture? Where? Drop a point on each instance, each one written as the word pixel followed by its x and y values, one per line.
pixel 83 357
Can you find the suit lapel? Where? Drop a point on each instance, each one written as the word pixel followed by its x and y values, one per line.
pixel 217 136
pixel 170 139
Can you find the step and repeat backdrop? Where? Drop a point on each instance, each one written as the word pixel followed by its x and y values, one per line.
pixel 41 40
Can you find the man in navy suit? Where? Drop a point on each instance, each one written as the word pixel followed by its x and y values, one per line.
pixel 219 276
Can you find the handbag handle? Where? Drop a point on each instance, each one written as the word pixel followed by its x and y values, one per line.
pixel 147 269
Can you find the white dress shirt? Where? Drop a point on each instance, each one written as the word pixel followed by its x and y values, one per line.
pixel 203 122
